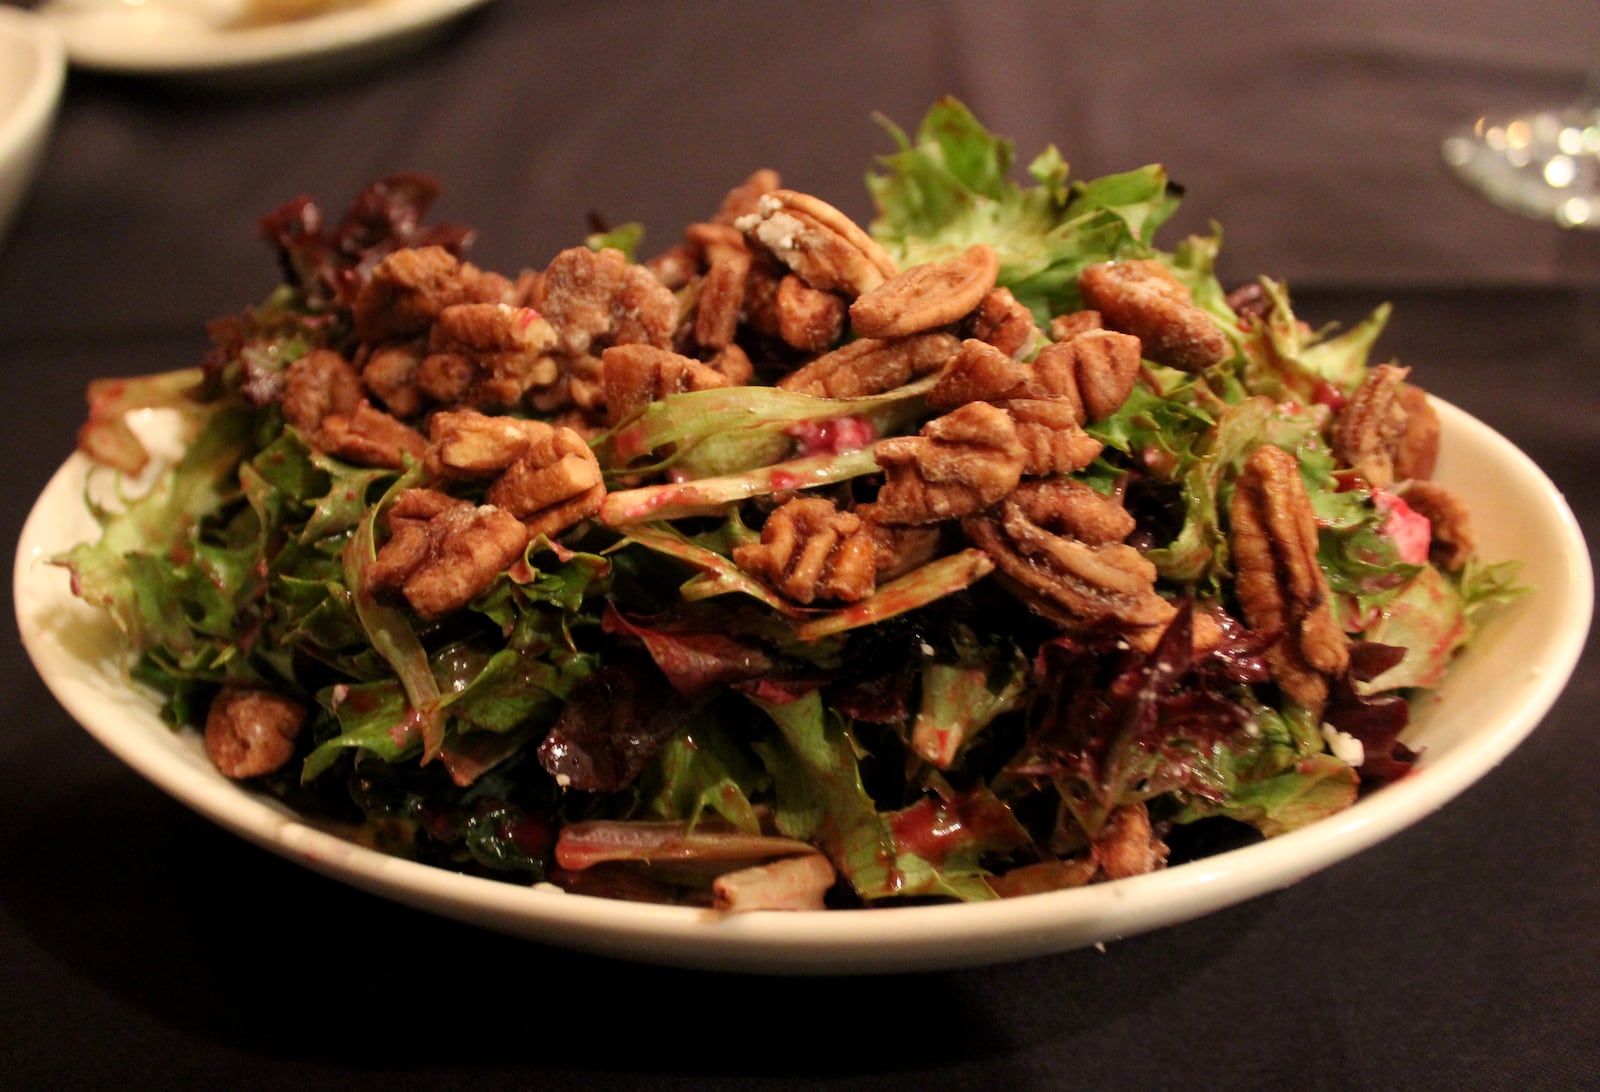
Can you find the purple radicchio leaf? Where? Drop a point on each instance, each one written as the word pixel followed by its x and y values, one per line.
pixel 613 724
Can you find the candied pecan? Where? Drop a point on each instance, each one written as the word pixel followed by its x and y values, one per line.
pixel 870 366
pixel 1071 507
pixel 898 550
pixel 1368 428
pixel 554 483
pixel 368 436
pixel 824 246
pixel 1127 845
pixel 1453 538
pixel 1145 299
pixel 1281 587
pixel 810 550
pixel 745 198
pixel 721 300
pixel 808 319
pixel 1002 321
pixel 316 385
pixel 734 363
pixel 1053 442
pixel 1068 326
pixel 491 328
pixel 443 552
pixel 1070 581
pixel 595 298
pixel 1095 369
pixel 959 464
pixel 676 266
pixel 469 444
pixel 926 296
pixel 1417 451
pixel 409 288
pixel 978 372
pixel 713 241
pixel 633 376
pixel 390 374
pixel 250 732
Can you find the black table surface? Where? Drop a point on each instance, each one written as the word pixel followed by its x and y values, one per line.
pixel 142 947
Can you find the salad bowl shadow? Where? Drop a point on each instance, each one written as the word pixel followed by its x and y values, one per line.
pixel 1493 697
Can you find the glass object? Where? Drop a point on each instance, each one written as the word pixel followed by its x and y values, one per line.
pixel 1543 163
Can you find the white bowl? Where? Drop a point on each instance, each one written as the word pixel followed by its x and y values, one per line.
pixel 1493 697
pixel 33 70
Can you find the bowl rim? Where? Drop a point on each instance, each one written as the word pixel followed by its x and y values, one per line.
pixel 42 94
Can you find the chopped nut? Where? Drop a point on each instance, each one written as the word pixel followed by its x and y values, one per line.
pixel 1280 585
pixel 1145 299
pixel 633 376
pixel 926 296
pixel 444 552
pixel 810 550
pixel 826 248
pixel 721 300
pixel 1417 450
pixel 390 374
pixel 959 464
pixel 1454 540
pixel 898 550
pixel 1068 326
pixel 808 319
pixel 1002 321
pixel 251 732
pixel 1127 845
pixel 745 198
pixel 316 385
pixel 870 366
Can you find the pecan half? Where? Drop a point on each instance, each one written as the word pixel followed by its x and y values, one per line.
pixel 1128 845
pixel 959 464
pixel 810 550
pixel 1002 321
pixel 871 366
pixel 1145 299
pixel 1387 430
pixel 317 385
pixel 1072 582
pixel 926 296
pixel 979 372
pixel 1096 369
pixel 443 552
pixel 553 484
pixel 827 249
pixel 367 436
pixel 1281 587
pixel 807 318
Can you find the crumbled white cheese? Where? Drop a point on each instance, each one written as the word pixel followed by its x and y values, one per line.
pixel 1345 747
pixel 927 649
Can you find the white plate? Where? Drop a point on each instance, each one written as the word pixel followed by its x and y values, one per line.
pixel 134 37
pixel 1493 698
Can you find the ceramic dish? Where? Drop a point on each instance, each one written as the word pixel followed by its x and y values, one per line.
pixel 33 70
pixel 1495 695
pixel 132 37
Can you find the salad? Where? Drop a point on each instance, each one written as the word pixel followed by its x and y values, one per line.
pixel 981 550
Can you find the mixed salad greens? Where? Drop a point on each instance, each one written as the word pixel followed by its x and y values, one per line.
pixel 628 712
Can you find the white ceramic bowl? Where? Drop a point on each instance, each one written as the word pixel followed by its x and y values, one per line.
pixel 33 70
pixel 1493 697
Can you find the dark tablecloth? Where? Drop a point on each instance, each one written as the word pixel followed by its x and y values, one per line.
pixel 141 947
